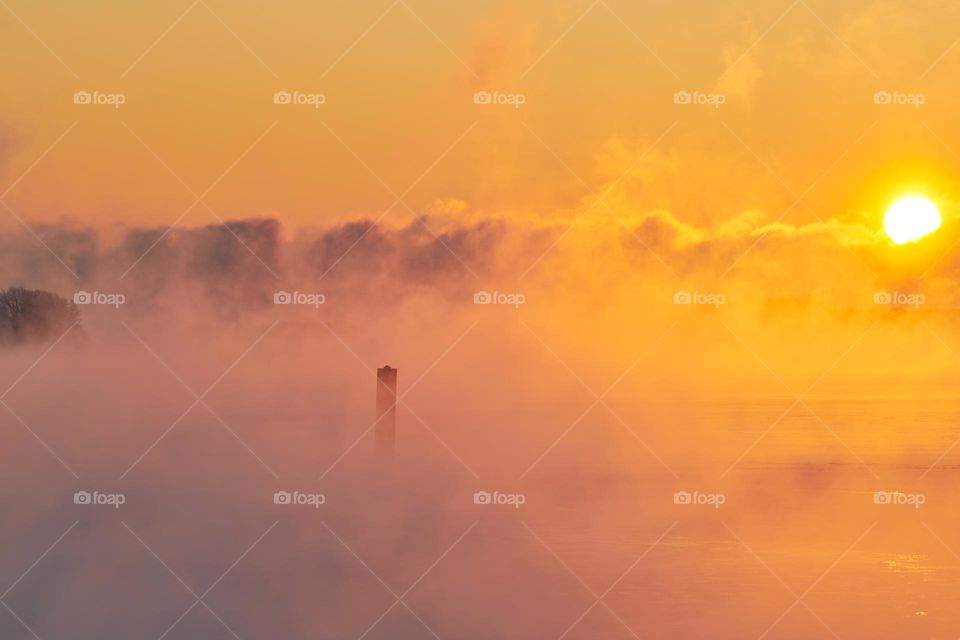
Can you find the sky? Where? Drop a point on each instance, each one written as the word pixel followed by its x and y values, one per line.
pixel 398 78
pixel 616 249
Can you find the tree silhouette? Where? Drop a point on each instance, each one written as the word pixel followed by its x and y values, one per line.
pixel 30 316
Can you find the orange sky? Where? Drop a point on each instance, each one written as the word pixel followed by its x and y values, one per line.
pixel 774 197
pixel 598 81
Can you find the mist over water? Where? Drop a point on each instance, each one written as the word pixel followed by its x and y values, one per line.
pixel 619 466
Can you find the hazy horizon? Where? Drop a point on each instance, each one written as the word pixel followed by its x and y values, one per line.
pixel 671 290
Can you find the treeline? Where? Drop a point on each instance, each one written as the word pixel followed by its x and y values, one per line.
pixel 29 316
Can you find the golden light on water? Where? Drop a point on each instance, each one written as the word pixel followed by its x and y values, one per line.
pixel 911 218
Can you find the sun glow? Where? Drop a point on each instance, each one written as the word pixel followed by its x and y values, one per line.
pixel 911 218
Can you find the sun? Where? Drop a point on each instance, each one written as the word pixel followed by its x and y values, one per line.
pixel 911 218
